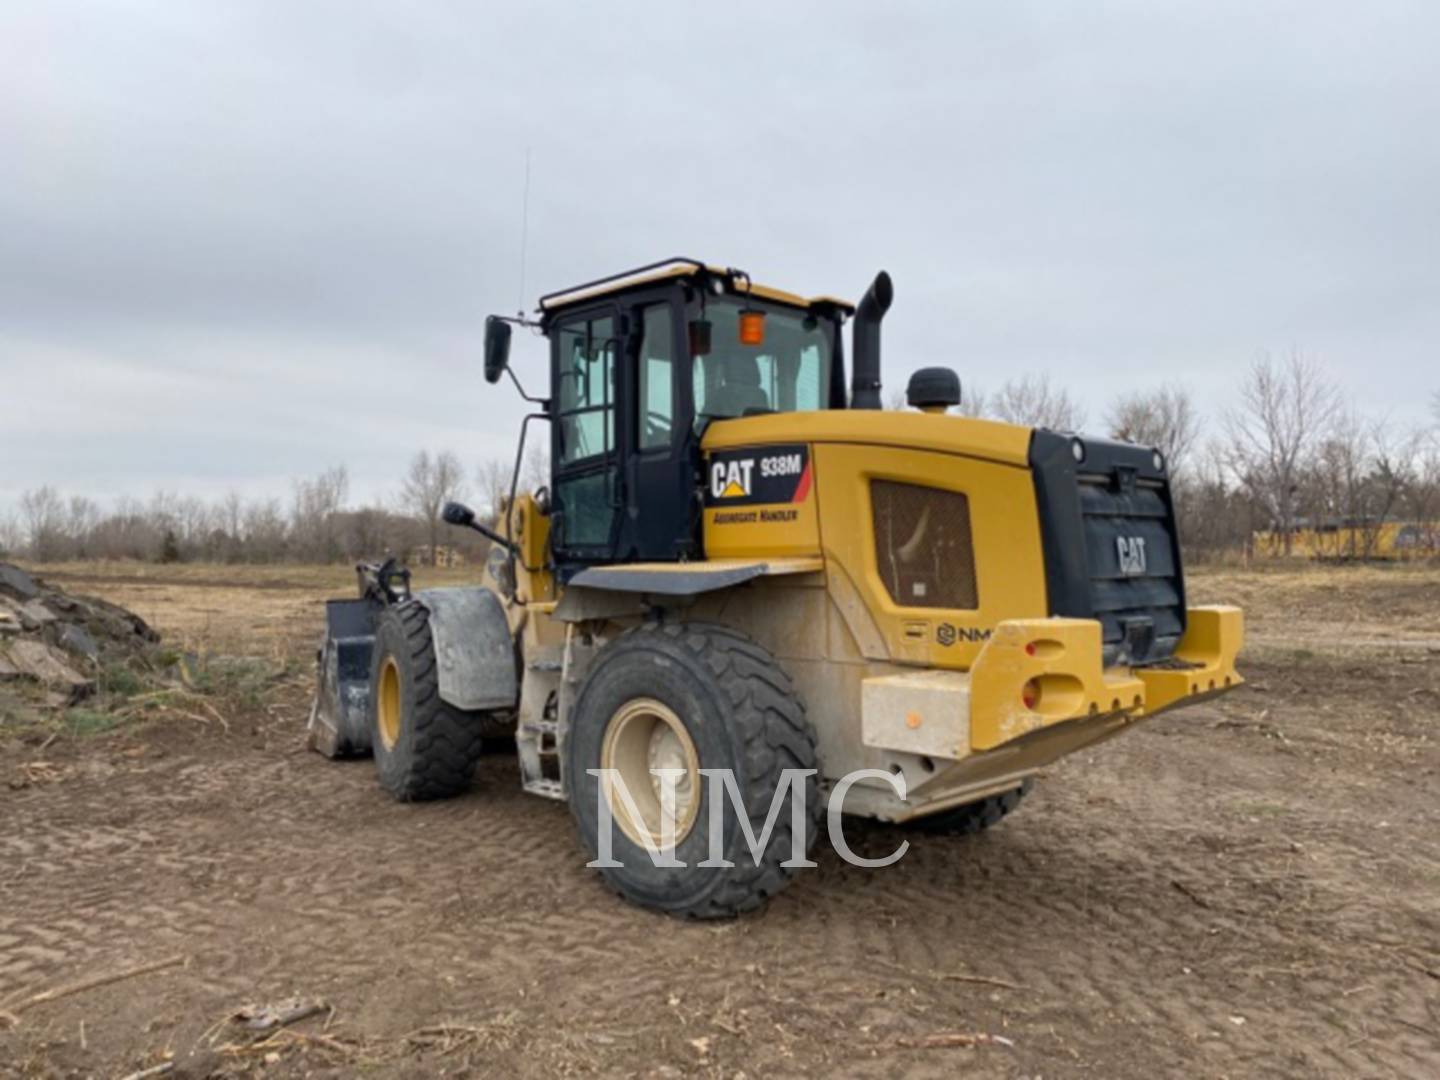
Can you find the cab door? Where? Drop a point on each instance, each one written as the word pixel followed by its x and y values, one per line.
pixel 584 454
pixel 661 452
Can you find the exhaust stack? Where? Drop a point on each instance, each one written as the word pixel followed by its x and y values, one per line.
pixel 865 376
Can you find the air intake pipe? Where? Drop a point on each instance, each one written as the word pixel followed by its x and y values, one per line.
pixel 865 374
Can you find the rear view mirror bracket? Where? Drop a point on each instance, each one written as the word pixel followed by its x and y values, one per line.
pixel 497 354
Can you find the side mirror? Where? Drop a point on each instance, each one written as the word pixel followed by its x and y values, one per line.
pixel 497 347
pixel 458 513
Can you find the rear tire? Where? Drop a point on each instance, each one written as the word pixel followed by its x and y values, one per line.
pixel 692 696
pixel 972 817
pixel 424 747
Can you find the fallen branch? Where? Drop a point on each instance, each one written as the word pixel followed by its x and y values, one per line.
pixel 1186 891
pixel 93 984
pixel 224 724
pixel 956 976
pixel 270 1017
pixel 943 1039
pixel 982 980
pixel 285 1039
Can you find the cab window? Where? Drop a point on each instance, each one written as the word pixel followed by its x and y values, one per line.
pixel 788 372
pixel 656 415
pixel 586 407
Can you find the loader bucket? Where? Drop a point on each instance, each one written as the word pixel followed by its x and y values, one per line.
pixel 340 716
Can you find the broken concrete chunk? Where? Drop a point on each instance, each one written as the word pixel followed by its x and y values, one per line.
pixel 17 582
pixel 77 640
pixel 7 670
pixel 35 615
pixel 47 665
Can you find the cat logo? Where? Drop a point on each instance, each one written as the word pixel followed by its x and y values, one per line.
pixel 731 479
pixel 758 476
pixel 1131 550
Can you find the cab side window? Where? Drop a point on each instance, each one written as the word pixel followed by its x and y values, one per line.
pixel 656 414
pixel 586 410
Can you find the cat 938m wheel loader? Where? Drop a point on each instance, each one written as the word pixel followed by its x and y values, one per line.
pixel 746 587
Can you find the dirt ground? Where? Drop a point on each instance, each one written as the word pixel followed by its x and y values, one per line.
pixel 1247 888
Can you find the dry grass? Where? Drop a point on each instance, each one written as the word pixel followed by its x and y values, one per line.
pixel 270 610
pixel 1328 607
pixel 214 608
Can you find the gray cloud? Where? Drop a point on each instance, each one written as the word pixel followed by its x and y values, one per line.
pixel 241 242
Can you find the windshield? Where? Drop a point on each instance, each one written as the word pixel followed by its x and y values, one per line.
pixel 788 372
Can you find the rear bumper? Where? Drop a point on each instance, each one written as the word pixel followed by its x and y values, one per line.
pixel 1037 674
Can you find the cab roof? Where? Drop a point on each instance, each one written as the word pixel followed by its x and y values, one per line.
pixel 732 280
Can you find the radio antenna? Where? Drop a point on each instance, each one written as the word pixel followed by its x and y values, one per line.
pixel 524 235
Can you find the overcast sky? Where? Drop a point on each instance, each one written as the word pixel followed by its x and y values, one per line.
pixel 243 241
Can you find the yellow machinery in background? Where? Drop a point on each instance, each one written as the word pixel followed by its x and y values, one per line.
pixel 1386 541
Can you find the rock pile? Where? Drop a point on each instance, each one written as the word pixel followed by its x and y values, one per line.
pixel 61 644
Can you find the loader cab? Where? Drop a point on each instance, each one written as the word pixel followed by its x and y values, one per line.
pixel 640 366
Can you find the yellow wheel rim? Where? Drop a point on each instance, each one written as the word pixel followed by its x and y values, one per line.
pixel 642 736
pixel 387 703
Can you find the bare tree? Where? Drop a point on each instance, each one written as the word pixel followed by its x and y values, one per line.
pixel 1215 513
pixel 1165 418
pixel 43 512
pixel 1035 402
pixel 314 505
pixel 1422 493
pixel 973 401
pixel 493 479
pixel 81 517
pixel 12 536
pixel 536 471
pixel 1394 467
pixel 428 486
pixel 1284 407
pixel 1332 488
pixel 265 531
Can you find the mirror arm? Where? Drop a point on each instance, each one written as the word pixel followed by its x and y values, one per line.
pixel 494 537
pixel 544 403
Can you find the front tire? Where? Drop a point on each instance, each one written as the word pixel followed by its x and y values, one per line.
pixel 692 696
pixel 424 747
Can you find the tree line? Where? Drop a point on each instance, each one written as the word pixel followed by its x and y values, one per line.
pixel 316 524
pixel 1289 456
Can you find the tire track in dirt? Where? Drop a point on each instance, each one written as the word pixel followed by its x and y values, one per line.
pixel 278 872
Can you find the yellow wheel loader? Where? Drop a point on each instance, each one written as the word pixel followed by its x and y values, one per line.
pixel 747 590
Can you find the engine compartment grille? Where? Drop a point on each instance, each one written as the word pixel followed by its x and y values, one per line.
pixel 924 549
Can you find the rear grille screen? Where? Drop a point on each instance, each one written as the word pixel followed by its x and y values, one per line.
pixel 923 546
pixel 1146 591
